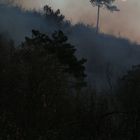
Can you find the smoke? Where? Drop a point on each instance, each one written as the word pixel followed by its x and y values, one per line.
pixel 124 23
pixel 17 23
pixel 107 55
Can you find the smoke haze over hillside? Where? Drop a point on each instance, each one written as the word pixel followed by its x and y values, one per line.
pixel 103 52
pixel 124 23
pixel 62 78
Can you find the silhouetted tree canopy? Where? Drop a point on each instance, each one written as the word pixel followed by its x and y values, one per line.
pixel 38 82
pixel 103 3
pixel 53 15
pixel 129 89
pixel 129 95
pixel 106 3
pixel 65 52
pixel 35 85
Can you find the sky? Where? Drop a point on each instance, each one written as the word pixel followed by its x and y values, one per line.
pixel 124 23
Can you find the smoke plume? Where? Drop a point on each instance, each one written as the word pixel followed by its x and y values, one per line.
pixel 107 55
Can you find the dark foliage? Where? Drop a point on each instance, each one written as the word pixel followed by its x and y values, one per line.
pixel 53 15
pixel 35 86
pixel 65 53
pixel 129 95
pixel 41 86
pixel 39 80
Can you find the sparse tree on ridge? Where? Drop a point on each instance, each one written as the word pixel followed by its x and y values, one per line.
pixel 103 3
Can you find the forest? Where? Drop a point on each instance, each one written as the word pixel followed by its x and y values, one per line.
pixel 51 89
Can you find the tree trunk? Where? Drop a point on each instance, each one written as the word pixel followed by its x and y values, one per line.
pixel 98 17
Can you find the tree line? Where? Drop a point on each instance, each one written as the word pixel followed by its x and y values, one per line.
pixel 44 94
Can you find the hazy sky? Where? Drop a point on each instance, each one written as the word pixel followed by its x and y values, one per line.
pixel 125 23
